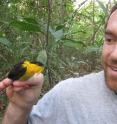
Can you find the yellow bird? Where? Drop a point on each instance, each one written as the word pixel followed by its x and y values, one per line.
pixel 25 69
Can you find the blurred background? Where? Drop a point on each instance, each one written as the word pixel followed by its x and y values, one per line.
pixel 67 35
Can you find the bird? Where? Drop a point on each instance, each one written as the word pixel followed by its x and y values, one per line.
pixel 25 70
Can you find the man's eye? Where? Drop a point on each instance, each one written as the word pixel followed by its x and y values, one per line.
pixel 109 40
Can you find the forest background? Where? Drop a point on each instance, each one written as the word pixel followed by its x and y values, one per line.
pixel 67 38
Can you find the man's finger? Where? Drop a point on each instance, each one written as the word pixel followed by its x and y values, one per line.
pixel 33 81
pixel 36 79
pixel 5 83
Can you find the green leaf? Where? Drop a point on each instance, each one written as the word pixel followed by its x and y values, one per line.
pixel 42 57
pixel 72 43
pixel 50 29
pixel 58 35
pixel 26 26
pixel 2 34
pixel 59 27
pixel 5 41
pixel 93 49
pixel 30 20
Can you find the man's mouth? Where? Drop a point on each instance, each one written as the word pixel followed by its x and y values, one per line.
pixel 113 68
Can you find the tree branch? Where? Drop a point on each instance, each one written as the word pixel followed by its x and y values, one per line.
pixel 47 43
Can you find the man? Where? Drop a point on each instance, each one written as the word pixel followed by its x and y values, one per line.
pixel 91 99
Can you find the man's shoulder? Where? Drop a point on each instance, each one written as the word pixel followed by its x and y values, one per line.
pixel 87 82
pixel 89 78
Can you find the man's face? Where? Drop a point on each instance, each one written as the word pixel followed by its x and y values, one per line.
pixel 109 54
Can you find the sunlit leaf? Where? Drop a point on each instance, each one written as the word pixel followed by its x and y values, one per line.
pixel 2 34
pixel 105 10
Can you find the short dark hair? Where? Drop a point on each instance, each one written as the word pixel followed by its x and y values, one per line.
pixel 111 11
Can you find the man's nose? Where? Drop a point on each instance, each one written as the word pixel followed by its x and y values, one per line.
pixel 114 52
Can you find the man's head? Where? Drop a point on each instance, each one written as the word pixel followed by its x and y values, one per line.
pixel 109 54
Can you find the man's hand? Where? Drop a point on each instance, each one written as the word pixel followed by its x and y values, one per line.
pixel 22 96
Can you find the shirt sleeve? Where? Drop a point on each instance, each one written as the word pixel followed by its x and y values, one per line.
pixel 45 111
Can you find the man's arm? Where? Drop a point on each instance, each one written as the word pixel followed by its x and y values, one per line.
pixel 15 115
pixel 22 96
